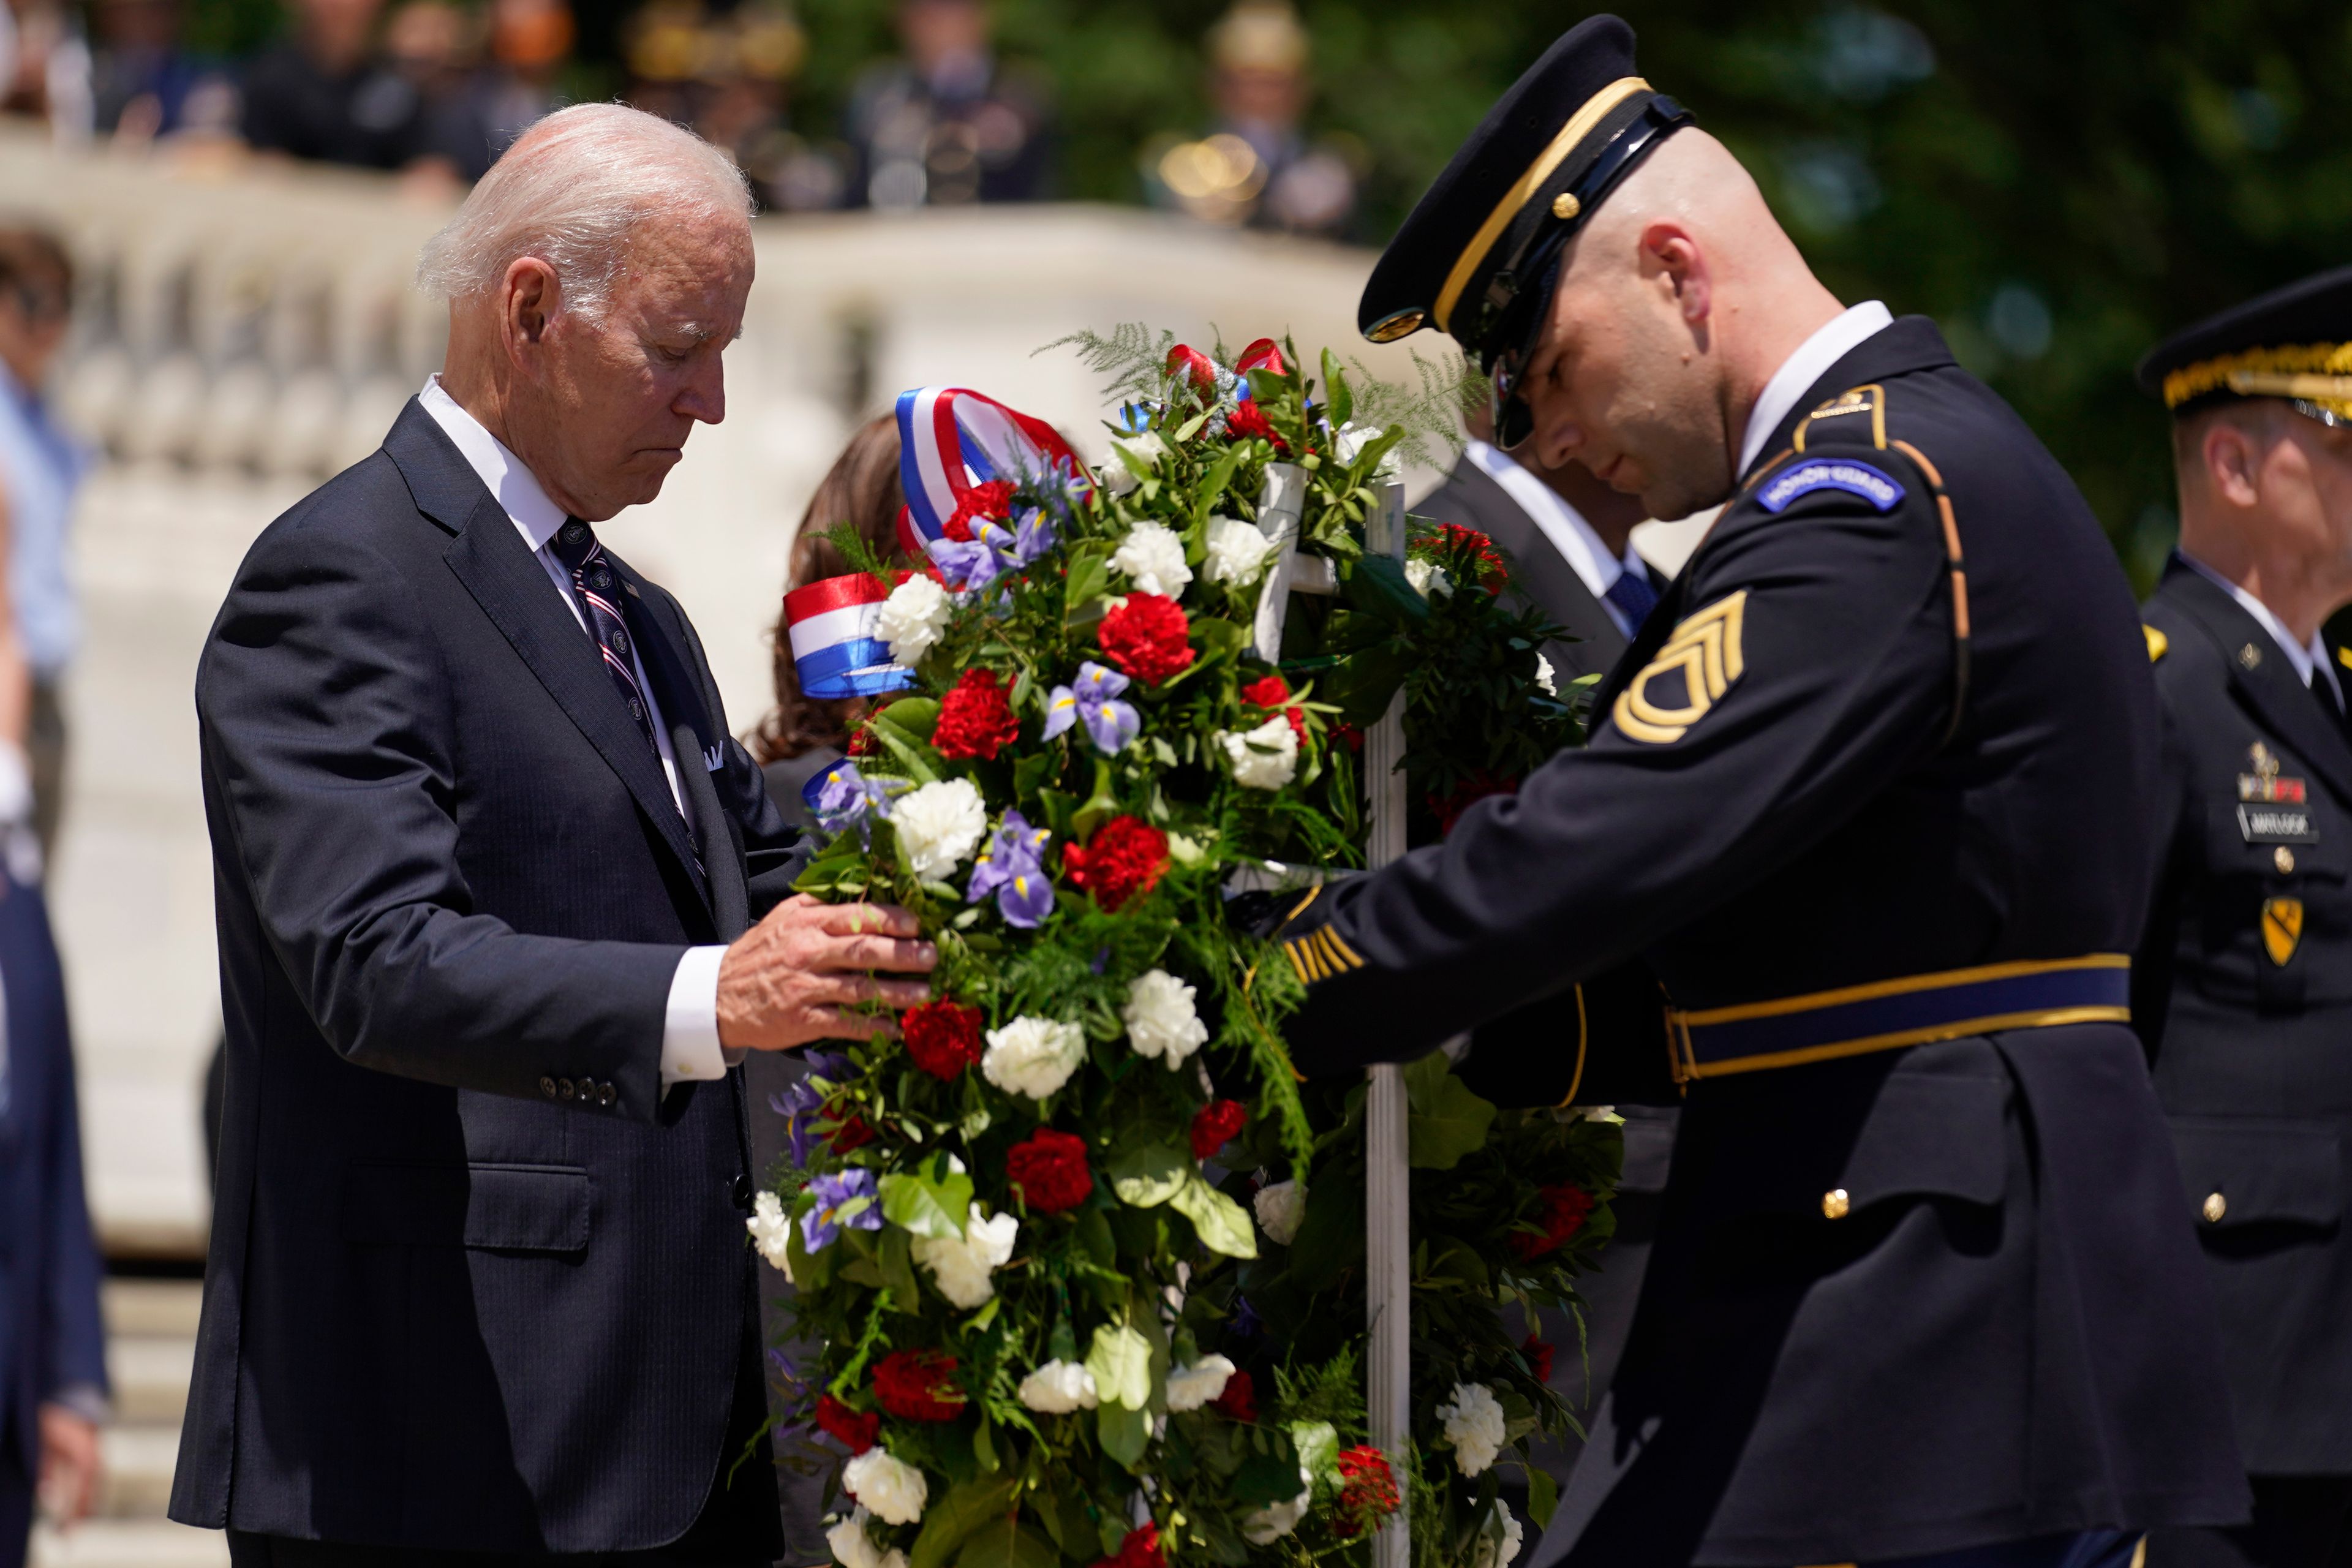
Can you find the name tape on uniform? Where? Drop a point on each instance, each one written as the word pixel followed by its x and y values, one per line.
pixel 1880 489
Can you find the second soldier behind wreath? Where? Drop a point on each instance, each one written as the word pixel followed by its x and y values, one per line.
pixel 2243 986
pixel 1876 814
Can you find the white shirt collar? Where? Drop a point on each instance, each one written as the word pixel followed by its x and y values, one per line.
pixel 518 490
pixel 2307 661
pixel 1561 524
pixel 1835 340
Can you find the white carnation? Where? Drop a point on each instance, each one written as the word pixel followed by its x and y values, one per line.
pixel 1428 577
pixel 1544 682
pixel 853 1548
pixel 1152 557
pixel 939 826
pixel 1499 1539
pixel 1473 1424
pixel 961 1265
pixel 1237 552
pixel 1191 1387
pixel 1263 758
pixel 1272 1523
pixel 1160 1019
pixel 912 618
pixel 1059 1387
pixel 1280 1207
pixel 1032 1055
pixel 1349 440
pixel 1145 447
pixel 772 1232
pixel 892 1488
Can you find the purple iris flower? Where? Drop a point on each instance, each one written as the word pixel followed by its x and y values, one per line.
pixel 1011 864
pixel 798 1105
pixel 1247 1324
pixel 1094 698
pixel 849 799
pixel 852 1189
pixel 1033 537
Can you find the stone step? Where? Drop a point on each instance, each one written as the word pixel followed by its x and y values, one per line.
pixel 150 1379
pixel 129 1543
pixel 138 1462
pixel 152 1309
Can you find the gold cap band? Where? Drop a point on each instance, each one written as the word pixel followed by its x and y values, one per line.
pixel 1579 125
pixel 2316 373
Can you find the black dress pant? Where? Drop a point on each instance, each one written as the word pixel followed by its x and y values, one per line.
pixel 2299 1522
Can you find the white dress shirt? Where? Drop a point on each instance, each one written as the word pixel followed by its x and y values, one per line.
pixel 1835 340
pixel 1563 525
pixel 690 1046
pixel 2307 661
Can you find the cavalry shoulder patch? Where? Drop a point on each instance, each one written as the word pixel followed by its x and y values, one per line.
pixel 1705 653
pixel 2281 928
pixel 1873 485
pixel 2156 642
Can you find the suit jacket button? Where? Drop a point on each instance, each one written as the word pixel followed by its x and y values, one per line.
pixel 607 1094
pixel 2216 1206
pixel 741 1191
pixel 1835 1204
pixel 563 1087
pixel 2284 858
pixel 547 1086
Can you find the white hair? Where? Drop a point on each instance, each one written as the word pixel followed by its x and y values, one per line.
pixel 570 192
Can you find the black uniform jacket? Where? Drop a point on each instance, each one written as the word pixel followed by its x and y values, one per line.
pixel 2243 994
pixel 2006 1332
pixel 474 1281
pixel 1471 497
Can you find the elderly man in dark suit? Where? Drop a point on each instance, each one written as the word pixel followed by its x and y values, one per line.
pixel 486 864
pixel 52 1344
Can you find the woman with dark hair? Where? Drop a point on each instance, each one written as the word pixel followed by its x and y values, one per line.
pixel 802 735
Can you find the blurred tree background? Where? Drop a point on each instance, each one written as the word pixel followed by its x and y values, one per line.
pixel 2058 183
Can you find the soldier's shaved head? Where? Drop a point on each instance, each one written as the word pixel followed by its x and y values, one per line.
pixel 1675 304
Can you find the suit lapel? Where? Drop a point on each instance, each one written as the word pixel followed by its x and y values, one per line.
pixel 512 588
pixel 2269 690
pixel 1551 583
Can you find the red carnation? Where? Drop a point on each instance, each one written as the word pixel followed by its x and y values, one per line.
pixel 1368 1490
pixel 918 1385
pixel 1050 1168
pixel 1348 736
pixel 1538 1354
pixel 944 1036
pixel 975 719
pixel 993 498
pixel 1561 1211
pixel 1139 1550
pixel 1239 1401
pixel 853 1429
pixel 1468 793
pixel 1273 693
pixel 1249 419
pixel 1194 366
pixel 1454 540
pixel 1217 1124
pixel 853 1133
pixel 1124 859
pixel 1144 637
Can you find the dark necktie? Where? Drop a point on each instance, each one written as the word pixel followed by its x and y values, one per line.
pixel 1634 597
pixel 599 588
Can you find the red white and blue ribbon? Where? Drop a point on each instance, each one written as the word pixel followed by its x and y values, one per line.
pixel 951 438
pixel 835 651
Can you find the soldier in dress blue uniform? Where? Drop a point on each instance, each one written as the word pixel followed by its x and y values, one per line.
pixel 1871 795
pixel 2243 990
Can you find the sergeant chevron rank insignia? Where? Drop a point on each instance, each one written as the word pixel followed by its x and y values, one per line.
pixel 1705 653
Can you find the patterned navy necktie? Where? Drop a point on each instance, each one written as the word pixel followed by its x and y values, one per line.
pixel 1634 597
pixel 599 588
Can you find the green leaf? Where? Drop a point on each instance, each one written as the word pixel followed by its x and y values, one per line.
pixel 1030 773
pixel 1150 1176
pixel 1004 1543
pixel 1093 1234
pixel 1214 482
pixel 1335 386
pixel 915 757
pixel 1331 1235
pixel 1120 1360
pixel 1190 428
pixel 1123 1433
pixel 1446 1119
pixel 899 1271
pixel 933 1201
pixel 955 1516
pixel 1270 1477
pixel 1100 806
pixel 1089 579
pixel 1543 1495
pixel 1318 1446
pixel 1378 586
pixel 1221 1223
pixel 913 717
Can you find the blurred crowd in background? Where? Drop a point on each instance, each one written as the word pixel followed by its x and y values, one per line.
pixel 436 89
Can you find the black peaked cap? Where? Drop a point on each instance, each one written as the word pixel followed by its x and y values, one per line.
pixel 2294 341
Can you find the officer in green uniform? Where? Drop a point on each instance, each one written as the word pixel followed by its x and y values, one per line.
pixel 1871 795
pixel 2242 989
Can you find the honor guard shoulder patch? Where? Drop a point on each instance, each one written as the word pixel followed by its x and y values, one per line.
pixel 1705 654
pixel 1798 479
